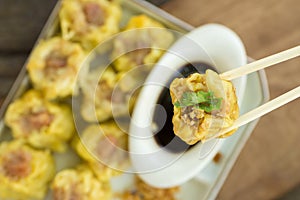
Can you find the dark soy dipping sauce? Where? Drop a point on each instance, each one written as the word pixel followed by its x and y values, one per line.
pixel 166 137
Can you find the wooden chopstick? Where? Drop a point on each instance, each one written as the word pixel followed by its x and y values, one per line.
pixel 263 109
pixel 261 64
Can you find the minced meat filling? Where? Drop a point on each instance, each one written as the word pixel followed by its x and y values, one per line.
pixel 192 116
pixel 104 90
pixel 94 14
pixel 56 60
pixel 118 96
pixel 16 164
pixel 61 194
pixel 138 55
pixel 106 147
pixel 36 120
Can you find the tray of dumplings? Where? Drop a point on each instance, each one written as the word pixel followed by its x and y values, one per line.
pixel 64 130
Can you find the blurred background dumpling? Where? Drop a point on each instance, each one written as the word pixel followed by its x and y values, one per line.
pixel 41 123
pixel 143 191
pixel 89 21
pixel 97 88
pixel 24 172
pixel 142 42
pixel 54 65
pixel 79 183
pixel 104 147
pixel 103 96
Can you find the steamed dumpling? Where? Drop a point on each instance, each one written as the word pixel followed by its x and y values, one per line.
pixel 105 95
pixel 41 123
pixel 142 42
pixel 53 67
pixel 195 122
pixel 79 183
pixel 144 191
pixel 24 171
pixel 104 147
pixel 89 21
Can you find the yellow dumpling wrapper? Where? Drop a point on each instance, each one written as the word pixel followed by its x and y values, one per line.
pixel 142 42
pixel 79 183
pixel 24 172
pixel 104 147
pixel 89 22
pixel 41 123
pixel 193 124
pixel 54 65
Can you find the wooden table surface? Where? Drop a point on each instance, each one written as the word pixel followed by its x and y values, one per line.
pixel 269 165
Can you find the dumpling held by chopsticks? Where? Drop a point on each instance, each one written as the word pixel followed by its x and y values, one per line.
pixel 203 105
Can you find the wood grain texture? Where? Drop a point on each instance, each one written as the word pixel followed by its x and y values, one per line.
pixel 6 84
pixel 11 64
pixel 269 164
pixel 21 22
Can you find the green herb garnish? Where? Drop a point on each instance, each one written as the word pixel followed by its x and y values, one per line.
pixel 202 100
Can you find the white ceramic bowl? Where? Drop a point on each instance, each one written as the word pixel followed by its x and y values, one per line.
pixel 212 44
